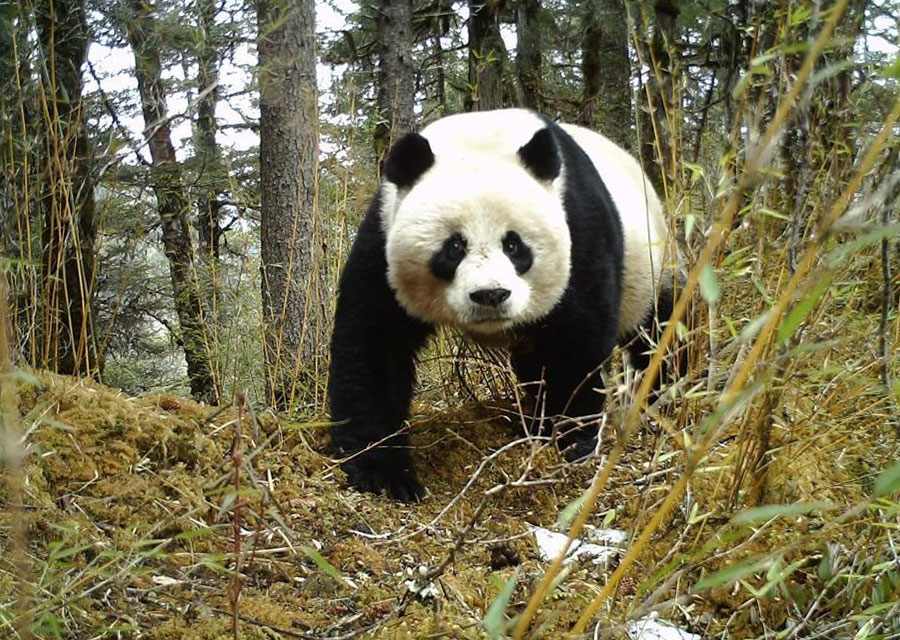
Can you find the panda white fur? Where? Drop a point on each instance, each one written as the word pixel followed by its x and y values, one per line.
pixel 512 228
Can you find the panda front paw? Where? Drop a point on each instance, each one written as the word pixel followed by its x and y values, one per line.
pixel 375 472
pixel 578 446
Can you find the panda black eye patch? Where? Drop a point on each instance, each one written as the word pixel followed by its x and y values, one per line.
pixel 518 252
pixel 443 263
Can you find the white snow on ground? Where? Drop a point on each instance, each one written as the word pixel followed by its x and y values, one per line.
pixel 550 545
pixel 650 628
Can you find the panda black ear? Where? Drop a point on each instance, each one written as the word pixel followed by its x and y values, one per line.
pixel 408 159
pixel 541 155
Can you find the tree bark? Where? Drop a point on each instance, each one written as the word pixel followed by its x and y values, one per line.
pixel 528 53
pixel 396 75
pixel 211 176
pixel 172 200
pixel 606 69
pixel 69 222
pixel 487 57
pixel 288 155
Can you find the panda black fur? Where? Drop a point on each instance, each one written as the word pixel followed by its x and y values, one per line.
pixel 502 224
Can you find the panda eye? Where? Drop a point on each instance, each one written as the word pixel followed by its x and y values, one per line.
pixel 512 244
pixel 456 247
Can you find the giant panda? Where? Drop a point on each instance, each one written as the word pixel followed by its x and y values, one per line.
pixel 513 229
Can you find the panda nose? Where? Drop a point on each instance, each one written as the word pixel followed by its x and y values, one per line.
pixel 490 297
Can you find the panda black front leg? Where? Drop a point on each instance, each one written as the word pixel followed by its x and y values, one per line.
pixel 373 352
pixel 569 364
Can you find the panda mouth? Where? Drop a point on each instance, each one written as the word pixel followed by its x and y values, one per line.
pixel 490 322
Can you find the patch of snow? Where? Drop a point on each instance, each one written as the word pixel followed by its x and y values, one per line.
pixel 613 537
pixel 650 628
pixel 550 545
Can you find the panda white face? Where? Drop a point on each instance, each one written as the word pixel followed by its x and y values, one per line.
pixel 481 245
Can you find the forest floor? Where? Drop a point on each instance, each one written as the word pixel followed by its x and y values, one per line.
pixel 130 513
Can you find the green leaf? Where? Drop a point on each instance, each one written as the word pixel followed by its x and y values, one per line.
pixel 769 511
pixel 800 310
pixel 841 253
pixel 748 333
pixel 733 573
pixel 799 15
pixel 889 481
pixel 892 70
pixel 609 518
pixel 830 71
pixel 568 513
pixel 495 619
pixel 689 221
pixel 324 566
pixel 826 566
pixel 709 286
pixel 772 213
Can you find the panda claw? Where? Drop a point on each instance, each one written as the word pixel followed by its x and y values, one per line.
pixel 374 475
pixel 580 449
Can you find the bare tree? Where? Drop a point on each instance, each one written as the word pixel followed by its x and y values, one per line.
pixel 67 199
pixel 606 69
pixel 396 75
pixel 172 199
pixel 288 156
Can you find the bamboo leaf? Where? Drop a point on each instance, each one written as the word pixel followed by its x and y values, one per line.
pixel 733 573
pixel 324 566
pixel 568 513
pixel 769 511
pixel 495 619
pixel 889 481
pixel 709 286
pixel 800 310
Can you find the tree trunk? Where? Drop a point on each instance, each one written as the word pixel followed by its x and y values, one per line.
pixel 396 75
pixel 288 154
pixel 658 115
pixel 211 176
pixel 440 79
pixel 487 57
pixel 528 53
pixel 69 224
pixel 171 199
pixel 606 69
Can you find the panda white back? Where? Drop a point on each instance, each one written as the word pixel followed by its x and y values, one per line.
pixel 643 225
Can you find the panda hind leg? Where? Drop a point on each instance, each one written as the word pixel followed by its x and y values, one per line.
pixel 641 344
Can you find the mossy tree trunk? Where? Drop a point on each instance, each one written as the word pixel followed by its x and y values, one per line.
pixel 172 200
pixel 606 70
pixel 69 226
pixel 488 58
pixel 288 156
pixel 396 88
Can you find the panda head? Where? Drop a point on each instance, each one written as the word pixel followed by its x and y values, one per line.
pixel 476 237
